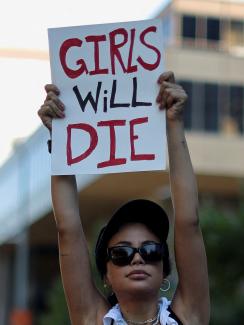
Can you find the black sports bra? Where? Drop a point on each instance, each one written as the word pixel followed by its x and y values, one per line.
pixel 172 315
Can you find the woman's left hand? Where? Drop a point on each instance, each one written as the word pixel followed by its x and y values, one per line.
pixel 171 96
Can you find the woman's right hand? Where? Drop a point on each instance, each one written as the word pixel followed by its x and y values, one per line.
pixel 52 106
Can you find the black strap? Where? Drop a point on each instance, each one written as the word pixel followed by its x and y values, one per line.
pixel 112 321
pixel 173 315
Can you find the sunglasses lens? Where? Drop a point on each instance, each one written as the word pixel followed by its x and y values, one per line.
pixel 152 252
pixel 121 255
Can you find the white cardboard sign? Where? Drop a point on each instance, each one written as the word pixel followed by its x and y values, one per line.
pixel 107 76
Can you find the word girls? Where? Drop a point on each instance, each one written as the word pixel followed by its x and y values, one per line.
pixel 128 38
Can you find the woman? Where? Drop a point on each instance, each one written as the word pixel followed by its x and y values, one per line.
pixel 131 251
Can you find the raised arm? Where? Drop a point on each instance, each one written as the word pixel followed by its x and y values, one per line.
pixel 86 305
pixel 191 300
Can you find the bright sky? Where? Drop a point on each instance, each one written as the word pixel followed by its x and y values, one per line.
pixel 23 25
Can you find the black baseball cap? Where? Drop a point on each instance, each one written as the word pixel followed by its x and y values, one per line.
pixel 147 212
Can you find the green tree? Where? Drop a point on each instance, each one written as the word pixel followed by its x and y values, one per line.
pixel 224 238
pixel 58 312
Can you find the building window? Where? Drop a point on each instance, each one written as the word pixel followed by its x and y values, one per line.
pixel 189 26
pixel 214 107
pixel 236 33
pixel 198 104
pixel 213 30
pixel 211 108
pixel 225 124
pixel 236 106
pixel 187 85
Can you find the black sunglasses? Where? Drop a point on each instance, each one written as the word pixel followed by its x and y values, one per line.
pixel 123 255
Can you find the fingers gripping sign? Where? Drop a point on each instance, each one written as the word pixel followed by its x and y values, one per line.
pixel 52 107
pixel 171 96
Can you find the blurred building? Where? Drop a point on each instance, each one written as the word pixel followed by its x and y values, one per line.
pixel 204 42
pixel 204 46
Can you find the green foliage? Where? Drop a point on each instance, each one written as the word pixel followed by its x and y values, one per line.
pixel 58 312
pixel 224 237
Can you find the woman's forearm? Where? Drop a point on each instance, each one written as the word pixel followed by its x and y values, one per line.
pixel 182 178
pixel 65 202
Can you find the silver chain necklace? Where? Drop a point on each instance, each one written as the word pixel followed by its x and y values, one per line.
pixel 153 321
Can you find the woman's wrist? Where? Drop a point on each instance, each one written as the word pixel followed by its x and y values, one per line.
pixel 174 124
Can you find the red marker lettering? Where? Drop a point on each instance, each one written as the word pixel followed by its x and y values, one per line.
pixel 93 142
pixel 114 48
pixel 96 39
pixel 63 53
pixel 149 66
pixel 112 160
pixel 134 137
pixel 131 68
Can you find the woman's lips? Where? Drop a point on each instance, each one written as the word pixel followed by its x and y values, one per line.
pixel 137 275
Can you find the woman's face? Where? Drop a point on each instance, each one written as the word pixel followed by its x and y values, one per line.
pixel 138 276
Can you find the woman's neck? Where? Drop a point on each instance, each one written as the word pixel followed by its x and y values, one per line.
pixel 139 310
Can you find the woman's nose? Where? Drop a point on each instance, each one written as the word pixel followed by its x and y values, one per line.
pixel 137 259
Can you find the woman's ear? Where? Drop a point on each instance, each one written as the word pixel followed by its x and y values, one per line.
pixel 106 281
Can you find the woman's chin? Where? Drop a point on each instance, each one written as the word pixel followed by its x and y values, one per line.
pixel 141 289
